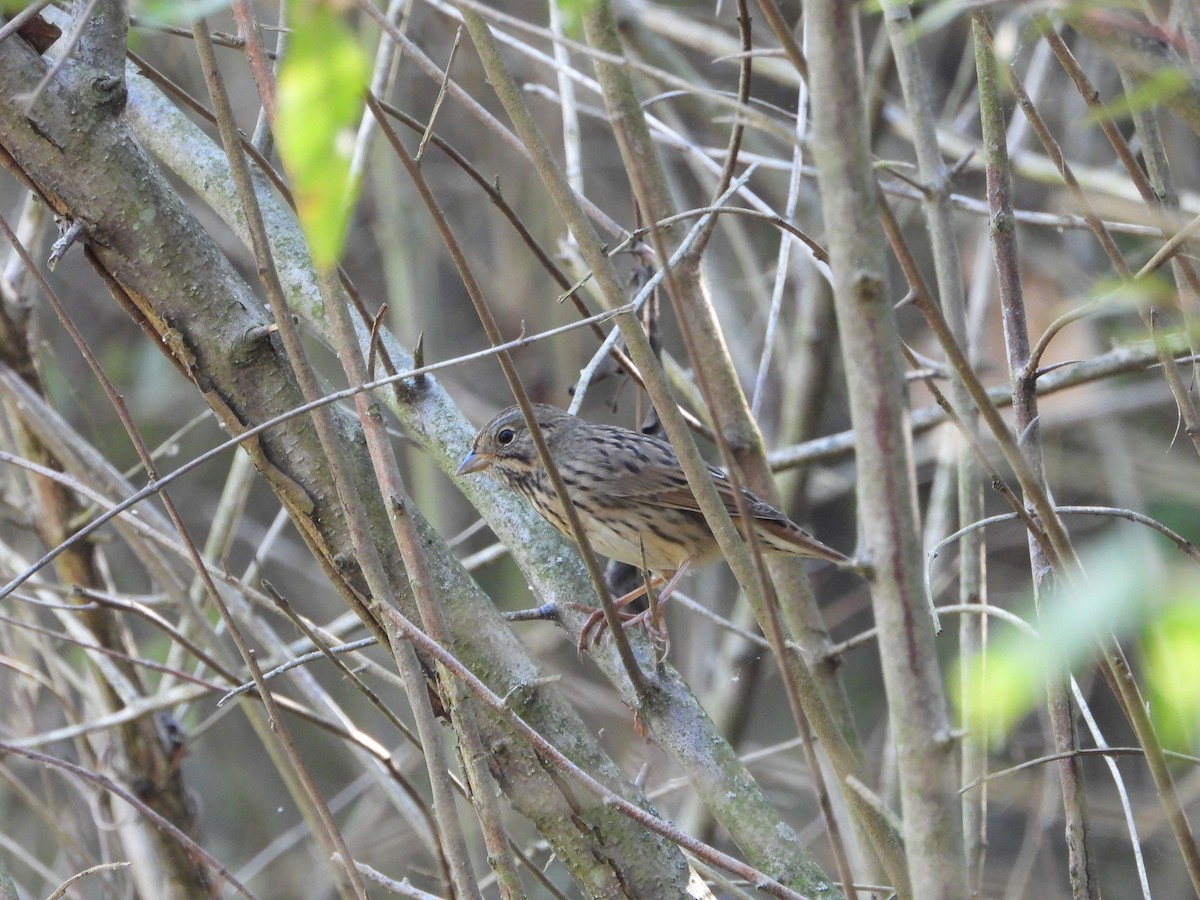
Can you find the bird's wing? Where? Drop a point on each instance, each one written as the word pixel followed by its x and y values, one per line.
pixel 660 481
pixel 653 477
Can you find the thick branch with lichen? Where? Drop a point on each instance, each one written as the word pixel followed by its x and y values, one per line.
pixel 183 291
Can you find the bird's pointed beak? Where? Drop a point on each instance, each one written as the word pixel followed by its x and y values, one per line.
pixel 474 462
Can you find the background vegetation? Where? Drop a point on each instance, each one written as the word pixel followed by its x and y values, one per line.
pixel 932 290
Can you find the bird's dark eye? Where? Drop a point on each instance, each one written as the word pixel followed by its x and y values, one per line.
pixel 505 436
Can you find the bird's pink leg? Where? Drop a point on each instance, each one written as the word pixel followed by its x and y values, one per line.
pixel 597 623
pixel 652 617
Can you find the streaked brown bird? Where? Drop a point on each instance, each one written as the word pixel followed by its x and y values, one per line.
pixel 629 489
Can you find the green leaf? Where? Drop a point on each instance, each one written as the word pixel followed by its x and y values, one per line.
pixel 572 12
pixel 996 690
pixel 322 83
pixel 1171 654
pixel 1003 685
pixel 175 12
pixel 1152 91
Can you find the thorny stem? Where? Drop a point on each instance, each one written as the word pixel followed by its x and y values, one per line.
pixel 483 311
pixel 328 831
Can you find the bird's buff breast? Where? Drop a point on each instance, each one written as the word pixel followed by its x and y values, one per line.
pixel 624 532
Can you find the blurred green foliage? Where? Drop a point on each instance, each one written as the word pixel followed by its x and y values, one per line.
pixel 1149 605
pixel 170 12
pixel 322 82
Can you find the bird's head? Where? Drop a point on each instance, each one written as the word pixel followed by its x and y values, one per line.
pixel 505 446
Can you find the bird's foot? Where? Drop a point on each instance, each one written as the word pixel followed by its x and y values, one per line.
pixel 656 628
pixel 595 626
